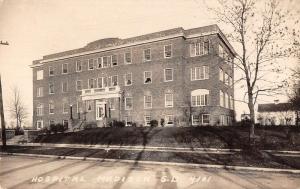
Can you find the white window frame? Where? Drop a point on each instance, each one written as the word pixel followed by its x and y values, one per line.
pixel 78 64
pixel 62 68
pixel 62 86
pixel 193 120
pixel 51 68
pixel 108 61
pixel 166 51
pixel 65 108
pixel 167 103
pixel 51 103
pixel 112 84
pixel 147 107
pixel 127 120
pixel 99 60
pixel 165 76
pixel 39 74
pixel 144 57
pixel 147 123
pixel 125 61
pixel 221 74
pixel 51 84
pixel 203 119
pixel 145 77
pixel 41 122
pixel 89 102
pixel 102 82
pixel 40 109
pixel 80 81
pixel 200 46
pixel 200 97
pixel 197 72
pixel 89 86
pixel 40 92
pixel 126 108
pixel 91 61
pixel 222 102
pixel 114 55
pixel 125 79
pixel 231 103
pixel 166 118
pixel 226 100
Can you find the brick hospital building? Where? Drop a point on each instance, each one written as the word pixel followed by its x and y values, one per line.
pixel 177 77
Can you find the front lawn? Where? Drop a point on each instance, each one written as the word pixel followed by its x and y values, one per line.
pixel 276 137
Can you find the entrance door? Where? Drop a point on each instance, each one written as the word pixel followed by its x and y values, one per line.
pixel 100 110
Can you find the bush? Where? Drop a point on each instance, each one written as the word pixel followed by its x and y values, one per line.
pixel 133 124
pixel 45 130
pixel 115 123
pixel 19 131
pixel 53 129
pixel 89 126
pixel 162 122
pixel 153 123
pixel 61 128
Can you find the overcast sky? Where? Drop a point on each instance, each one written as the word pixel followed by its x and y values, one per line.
pixel 35 28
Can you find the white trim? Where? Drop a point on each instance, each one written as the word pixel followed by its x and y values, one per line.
pixel 51 75
pixel 63 107
pixel 92 63
pixel 50 106
pixel 145 102
pixel 76 62
pixel 165 51
pixel 144 60
pixel 112 59
pixel 126 103
pixel 125 80
pixel 62 87
pixel 125 62
pixel 39 121
pixel 77 85
pixel 166 122
pixel 166 100
pixel 145 77
pixel 62 68
pixel 165 74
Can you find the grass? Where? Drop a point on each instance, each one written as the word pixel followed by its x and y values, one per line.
pixel 270 138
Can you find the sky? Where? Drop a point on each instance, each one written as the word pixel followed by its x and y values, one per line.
pixel 35 28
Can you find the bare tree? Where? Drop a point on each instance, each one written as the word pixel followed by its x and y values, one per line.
pixel 17 108
pixel 261 36
pixel 294 97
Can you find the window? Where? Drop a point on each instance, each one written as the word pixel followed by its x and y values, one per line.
pixel 51 88
pixel 106 61
pixel 65 107
pixel 100 82
pixel 40 75
pixel 221 98
pixel 199 49
pixel 168 100
pixel 147 102
pixel 65 123
pixel 114 60
pixel 51 107
pixel 147 55
pixel 128 103
pixel 200 97
pixel 78 85
pixel 78 66
pixel 39 92
pixel 221 75
pixel 168 51
pixel 51 122
pixel 147 119
pixel 114 80
pixel 221 51
pixel 39 110
pixel 231 103
pixel 39 124
pixel 226 79
pixel 89 105
pixel 127 58
pixel 196 120
pixel 128 121
pixel 99 64
pixel 168 74
pixel 91 83
pixel 91 64
pixel 226 100
pixel 128 79
pixel 147 77
pixel 205 119
pixel 65 68
pixel 51 71
pixel 200 73
pixel 64 87
pixel 79 106
pixel 169 120
pixel 112 103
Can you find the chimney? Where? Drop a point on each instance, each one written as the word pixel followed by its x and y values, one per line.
pixel 276 101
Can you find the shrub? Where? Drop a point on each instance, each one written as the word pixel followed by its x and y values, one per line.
pixel 61 128
pixel 133 124
pixel 118 123
pixel 162 122
pixel 53 128
pixel 154 123
pixel 19 131
pixel 89 126
pixel 45 130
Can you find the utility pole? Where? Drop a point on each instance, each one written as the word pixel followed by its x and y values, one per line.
pixel 2 110
pixel 2 119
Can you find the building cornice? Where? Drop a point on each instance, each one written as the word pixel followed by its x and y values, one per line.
pixel 181 34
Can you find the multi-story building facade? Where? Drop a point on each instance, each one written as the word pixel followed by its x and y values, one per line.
pixel 177 77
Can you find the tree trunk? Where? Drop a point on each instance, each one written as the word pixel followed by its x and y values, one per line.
pixel 252 115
